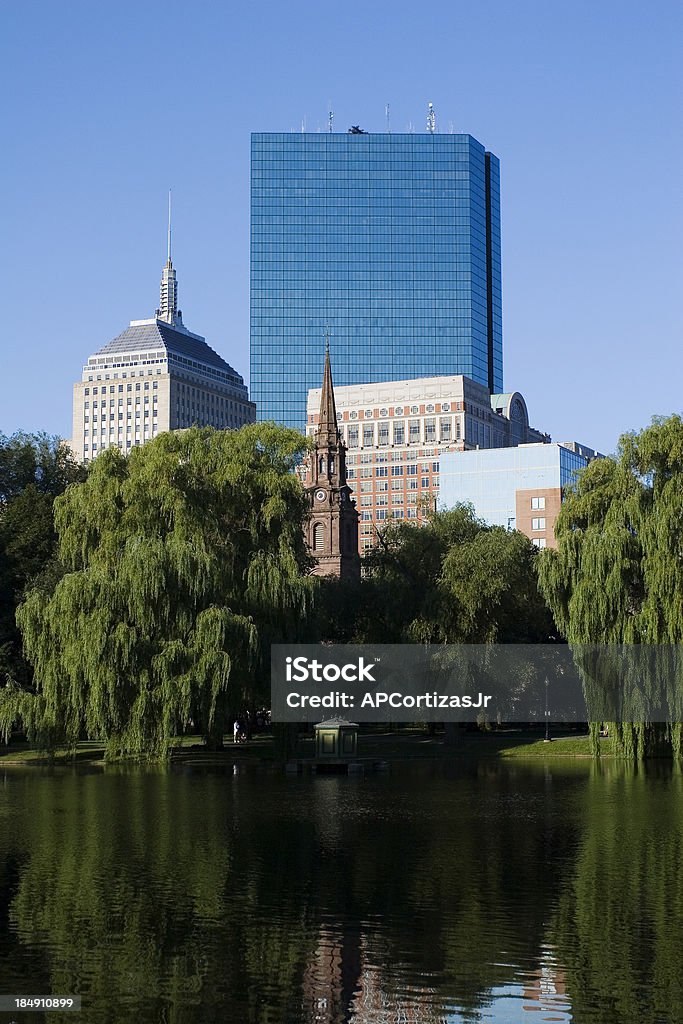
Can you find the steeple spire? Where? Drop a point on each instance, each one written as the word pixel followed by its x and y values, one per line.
pixel 168 304
pixel 328 433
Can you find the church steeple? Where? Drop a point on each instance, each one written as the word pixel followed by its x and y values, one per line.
pixel 332 530
pixel 168 303
pixel 328 432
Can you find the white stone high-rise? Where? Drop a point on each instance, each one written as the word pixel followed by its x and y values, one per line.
pixel 155 376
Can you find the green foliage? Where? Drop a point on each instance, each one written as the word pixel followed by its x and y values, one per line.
pixel 184 561
pixel 453 580
pixel 617 574
pixel 34 469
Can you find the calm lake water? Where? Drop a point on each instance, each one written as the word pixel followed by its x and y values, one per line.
pixel 460 893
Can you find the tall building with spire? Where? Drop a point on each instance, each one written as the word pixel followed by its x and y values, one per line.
pixel 155 376
pixel 332 528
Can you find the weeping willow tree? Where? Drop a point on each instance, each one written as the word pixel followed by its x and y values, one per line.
pixel 616 577
pixel 183 562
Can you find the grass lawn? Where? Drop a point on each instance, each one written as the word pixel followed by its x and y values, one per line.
pixel 405 744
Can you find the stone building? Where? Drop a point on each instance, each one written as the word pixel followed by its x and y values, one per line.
pixel 155 376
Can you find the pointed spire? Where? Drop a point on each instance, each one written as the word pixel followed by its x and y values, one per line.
pixel 168 304
pixel 328 433
pixel 169 229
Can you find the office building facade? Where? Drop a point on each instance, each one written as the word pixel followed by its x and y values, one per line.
pixel 396 433
pixel 155 376
pixel 519 488
pixel 392 242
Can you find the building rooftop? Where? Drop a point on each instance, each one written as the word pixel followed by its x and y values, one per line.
pixel 158 334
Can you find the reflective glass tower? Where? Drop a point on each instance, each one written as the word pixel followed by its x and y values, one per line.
pixel 392 242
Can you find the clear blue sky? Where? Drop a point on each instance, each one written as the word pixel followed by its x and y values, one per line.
pixel 106 106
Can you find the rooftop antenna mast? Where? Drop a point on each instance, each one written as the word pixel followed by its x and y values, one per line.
pixel 431 119
pixel 388 120
pixel 330 118
pixel 169 228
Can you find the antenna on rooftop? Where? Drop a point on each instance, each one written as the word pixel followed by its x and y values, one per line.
pixel 303 125
pixel 431 119
pixel 169 227
pixel 330 118
pixel 451 128
pixel 388 119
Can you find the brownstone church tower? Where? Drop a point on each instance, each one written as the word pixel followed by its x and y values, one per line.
pixel 332 530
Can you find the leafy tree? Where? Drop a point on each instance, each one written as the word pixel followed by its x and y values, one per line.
pixel 617 574
pixel 453 580
pixel 184 561
pixel 34 470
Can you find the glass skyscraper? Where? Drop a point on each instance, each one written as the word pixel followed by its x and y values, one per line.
pixel 392 242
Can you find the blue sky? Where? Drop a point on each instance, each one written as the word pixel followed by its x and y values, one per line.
pixel 106 106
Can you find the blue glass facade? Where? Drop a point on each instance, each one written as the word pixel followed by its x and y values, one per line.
pixel 393 242
pixel 490 477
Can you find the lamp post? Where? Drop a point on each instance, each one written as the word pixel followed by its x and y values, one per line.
pixel 547 723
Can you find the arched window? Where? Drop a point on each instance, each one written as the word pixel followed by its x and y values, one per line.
pixel 318 537
pixel 321 464
pixel 331 470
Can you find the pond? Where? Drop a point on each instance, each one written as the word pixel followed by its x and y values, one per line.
pixel 458 892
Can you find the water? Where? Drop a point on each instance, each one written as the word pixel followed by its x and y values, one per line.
pixel 469 892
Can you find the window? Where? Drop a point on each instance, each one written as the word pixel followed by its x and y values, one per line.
pixel 538 523
pixel 353 437
pixel 430 430
pixel 381 471
pixel 368 436
pixel 411 470
pixel 397 470
pixel 414 431
pixel 384 432
pixel 399 433
pixel 537 503
pixel 444 429
pixel 539 542
pixel 318 537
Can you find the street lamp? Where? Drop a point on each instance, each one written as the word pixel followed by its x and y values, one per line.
pixel 547 722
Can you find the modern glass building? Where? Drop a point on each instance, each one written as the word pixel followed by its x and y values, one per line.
pixel 392 242
pixel 520 488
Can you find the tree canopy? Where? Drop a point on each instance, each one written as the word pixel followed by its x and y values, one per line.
pixel 617 574
pixel 34 470
pixel 451 580
pixel 183 562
